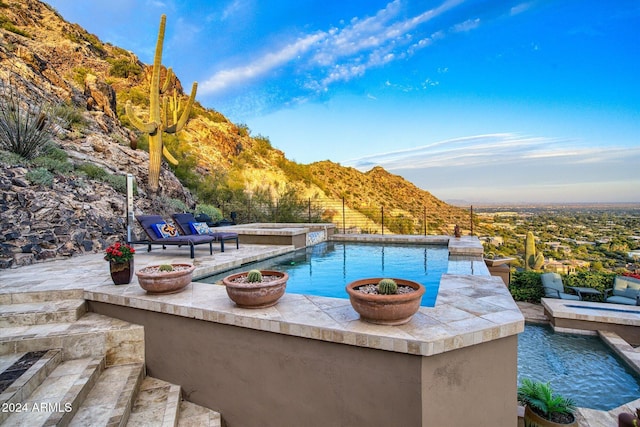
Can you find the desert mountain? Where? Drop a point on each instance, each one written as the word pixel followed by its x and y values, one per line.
pixel 76 204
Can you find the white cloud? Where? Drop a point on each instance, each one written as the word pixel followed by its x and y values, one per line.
pixel 268 62
pixel 468 25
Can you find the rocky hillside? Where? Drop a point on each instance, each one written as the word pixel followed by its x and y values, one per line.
pixel 81 206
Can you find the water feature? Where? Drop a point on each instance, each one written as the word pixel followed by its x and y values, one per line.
pixel 580 367
pixel 326 268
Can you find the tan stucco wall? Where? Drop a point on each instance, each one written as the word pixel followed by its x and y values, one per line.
pixel 472 386
pixel 265 379
pixel 298 240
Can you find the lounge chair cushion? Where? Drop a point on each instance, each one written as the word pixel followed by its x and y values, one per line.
pixel 164 230
pixel 199 227
pixel 624 286
pixel 621 300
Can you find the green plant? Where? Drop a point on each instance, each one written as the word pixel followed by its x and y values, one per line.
pixel 541 399
pixel 165 267
pixel 532 260
pixel 254 276
pixel 123 68
pixel 119 253
pixel 92 171
pixel 387 287
pixel 209 210
pixel 40 176
pixel 526 286
pixel 26 126
pixel 159 123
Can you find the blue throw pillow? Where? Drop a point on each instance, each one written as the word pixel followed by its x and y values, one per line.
pixel 199 227
pixel 164 230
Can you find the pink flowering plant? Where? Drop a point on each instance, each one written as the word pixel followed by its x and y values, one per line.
pixel 119 253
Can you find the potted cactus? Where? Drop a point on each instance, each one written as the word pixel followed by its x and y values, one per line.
pixel 543 407
pixel 385 301
pixel 165 278
pixel 256 288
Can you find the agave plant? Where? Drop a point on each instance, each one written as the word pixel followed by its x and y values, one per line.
pixel 540 396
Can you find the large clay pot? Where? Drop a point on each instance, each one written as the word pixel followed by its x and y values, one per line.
pixel 165 282
pixel 256 295
pixel 385 309
pixel 121 272
pixel 531 419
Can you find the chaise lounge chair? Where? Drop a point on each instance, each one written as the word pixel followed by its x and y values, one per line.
pixel 188 226
pixel 553 287
pixel 150 225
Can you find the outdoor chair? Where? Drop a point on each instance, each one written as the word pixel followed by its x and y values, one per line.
pixel 151 224
pixel 553 287
pixel 626 290
pixel 188 225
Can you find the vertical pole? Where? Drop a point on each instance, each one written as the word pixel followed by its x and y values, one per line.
pixel 130 214
pixel 472 220
pixel 309 209
pixel 382 216
pixel 425 220
pixel 344 225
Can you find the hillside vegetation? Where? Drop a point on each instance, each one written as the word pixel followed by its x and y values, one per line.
pixel 47 60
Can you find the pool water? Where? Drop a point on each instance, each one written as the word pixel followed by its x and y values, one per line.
pixel 579 367
pixel 325 269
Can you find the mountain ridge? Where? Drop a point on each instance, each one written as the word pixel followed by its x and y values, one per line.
pixel 49 59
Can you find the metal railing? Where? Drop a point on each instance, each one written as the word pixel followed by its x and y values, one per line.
pixel 368 219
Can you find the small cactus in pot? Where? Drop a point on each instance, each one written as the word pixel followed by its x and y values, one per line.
pixel 387 287
pixel 254 276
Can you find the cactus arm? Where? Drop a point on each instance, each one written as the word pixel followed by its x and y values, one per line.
pixel 169 156
pixel 167 80
pixel 165 114
pixel 538 261
pixel 176 127
pixel 146 127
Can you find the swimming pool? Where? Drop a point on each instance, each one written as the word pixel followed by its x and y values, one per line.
pixel 578 366
pixel 326 268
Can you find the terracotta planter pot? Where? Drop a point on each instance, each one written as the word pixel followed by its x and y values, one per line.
pixel 121 272
pixel 165 282
pixel 531 419
pixel 256 295
pixel 385 309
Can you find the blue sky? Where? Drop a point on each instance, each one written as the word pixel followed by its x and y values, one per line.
pixel 502 101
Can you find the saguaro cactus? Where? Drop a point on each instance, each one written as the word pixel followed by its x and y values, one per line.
pixel 159 115
pixel 532 261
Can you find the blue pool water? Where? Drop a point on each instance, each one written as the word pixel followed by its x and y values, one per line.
pixel 326 268
pixel 578 366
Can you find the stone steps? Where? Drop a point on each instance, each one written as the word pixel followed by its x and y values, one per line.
pixel 61 365
pixel 41 313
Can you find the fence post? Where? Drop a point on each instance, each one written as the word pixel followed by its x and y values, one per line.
pixel 472 220
pixel 309 209
pixel 425 220
pixel 382 217
pixel 344 224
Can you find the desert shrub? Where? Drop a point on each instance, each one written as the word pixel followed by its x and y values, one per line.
pixel 526 286
pixel 92 171
pixel 53 165
pixel 117 182
pixel 11 159
pixel 123 68
pixel 26 126
pixel 8 25
pixel 40 176
pixel 591 279
pixel 175 205
pixel 210 210
pixel 79 75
